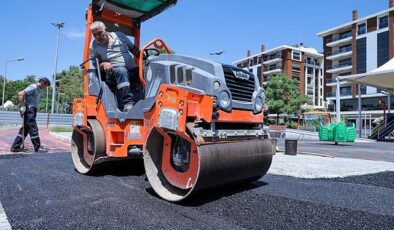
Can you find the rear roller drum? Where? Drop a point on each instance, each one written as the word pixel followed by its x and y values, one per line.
pixel 87 145
pixel 176 166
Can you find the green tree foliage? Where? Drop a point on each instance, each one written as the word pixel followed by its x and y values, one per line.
pixel 283 96
pixel 12 88
pixel 69 85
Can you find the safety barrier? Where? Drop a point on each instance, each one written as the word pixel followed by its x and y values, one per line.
pixel 11 118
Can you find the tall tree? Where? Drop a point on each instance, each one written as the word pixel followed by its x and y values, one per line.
pixel 283 96
pixel 69 86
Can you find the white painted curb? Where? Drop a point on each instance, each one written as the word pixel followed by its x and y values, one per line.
pixel 4 224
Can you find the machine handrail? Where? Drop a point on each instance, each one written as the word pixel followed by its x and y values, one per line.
pixel 384 129
pixel 379 126
pixel 159 44
pixel 82 65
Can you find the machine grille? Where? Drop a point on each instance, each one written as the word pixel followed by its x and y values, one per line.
pixel 241 89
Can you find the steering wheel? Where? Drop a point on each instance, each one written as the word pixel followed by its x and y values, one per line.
pixel 159 45
pixel 151 52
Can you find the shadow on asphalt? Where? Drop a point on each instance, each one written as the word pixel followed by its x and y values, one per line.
pixel 13 156
pixel 333 144
pixel 121 168
pixel 212 194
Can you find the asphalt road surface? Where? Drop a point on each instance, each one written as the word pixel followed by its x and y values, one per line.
pixel 43 191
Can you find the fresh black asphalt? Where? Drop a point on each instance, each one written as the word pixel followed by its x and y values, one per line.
pixel 43 191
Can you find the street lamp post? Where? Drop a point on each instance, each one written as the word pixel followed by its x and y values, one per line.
pixel 5 76
pixel 58 26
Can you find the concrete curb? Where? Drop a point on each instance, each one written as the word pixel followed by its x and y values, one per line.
pixel 63 136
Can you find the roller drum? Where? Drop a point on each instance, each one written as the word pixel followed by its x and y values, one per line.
pixel 230 162
pixel 216 164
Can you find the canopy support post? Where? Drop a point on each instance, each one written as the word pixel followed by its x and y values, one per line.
pixel 338 101
pixel 360 123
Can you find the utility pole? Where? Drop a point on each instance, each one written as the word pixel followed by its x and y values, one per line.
pixel 5 76
pixel 58 26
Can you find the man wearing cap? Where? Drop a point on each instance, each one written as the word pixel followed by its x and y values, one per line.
pixel 113 51
pixel 29 99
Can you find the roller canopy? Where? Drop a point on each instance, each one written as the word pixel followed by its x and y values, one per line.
pixel 137 9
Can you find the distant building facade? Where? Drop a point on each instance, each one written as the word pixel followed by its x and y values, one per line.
pixel 300 63
pixel 358 46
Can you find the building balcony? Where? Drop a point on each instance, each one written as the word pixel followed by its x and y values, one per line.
pixel 339 40
pixel 312 63
pixel 333 82
pixel 339 54
pixel 272 60
pixel 339 67
pixel 342 93
pixel 272 71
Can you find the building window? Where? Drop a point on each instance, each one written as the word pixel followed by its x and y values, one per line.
pixel 383 48
pixel 316 62
pixel 309 70
pixel 345 74
pixel 383 22
pixel 259 60
pixel 296 67
pixel 259 73
pixel 296 55
pixel 272 67
pixel 346 60
pixel 361 28
pixel 345 91
pixel 361 59
pixel 345 34
pixel 251 62
pixel 296 79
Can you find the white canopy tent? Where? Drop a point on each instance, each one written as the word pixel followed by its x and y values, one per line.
pixel 382 77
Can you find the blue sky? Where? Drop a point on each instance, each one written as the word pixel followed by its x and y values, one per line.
pixel 192 27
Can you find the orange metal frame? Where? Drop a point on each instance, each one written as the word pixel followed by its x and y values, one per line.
pixel 188 105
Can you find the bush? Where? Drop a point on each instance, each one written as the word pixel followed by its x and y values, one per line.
pixel 58 129
pixel 270 122
pixel 292 125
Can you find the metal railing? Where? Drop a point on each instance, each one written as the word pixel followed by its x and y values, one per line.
pixel 340 51
pixel 10 118
pixel 383 130
pixel 269 58
pixel 342 93
pixel 339 37
pixel 341 65
pixel 333 80
pixel 311 62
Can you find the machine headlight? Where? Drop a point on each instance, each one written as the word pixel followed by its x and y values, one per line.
pixel 224 99
pixel 258 104
pixel 216 85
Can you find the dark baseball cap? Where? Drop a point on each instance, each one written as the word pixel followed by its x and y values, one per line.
pixel 45 80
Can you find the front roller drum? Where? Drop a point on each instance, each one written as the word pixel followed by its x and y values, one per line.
pixel 177 167
pixel 87 145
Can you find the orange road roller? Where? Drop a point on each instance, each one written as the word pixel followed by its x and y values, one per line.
pixel 198 123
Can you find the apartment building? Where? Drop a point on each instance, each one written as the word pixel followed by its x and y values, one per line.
pixel 298 62
pixel 358 46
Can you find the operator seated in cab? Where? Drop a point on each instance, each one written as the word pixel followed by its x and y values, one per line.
pixel 112 50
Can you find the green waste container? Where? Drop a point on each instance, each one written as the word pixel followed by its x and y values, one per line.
pixel 337 133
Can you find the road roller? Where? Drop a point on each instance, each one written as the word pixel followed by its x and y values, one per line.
pixel 198 123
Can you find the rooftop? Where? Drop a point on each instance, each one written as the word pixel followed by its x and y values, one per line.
pixel 299 47
pixel 348 24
